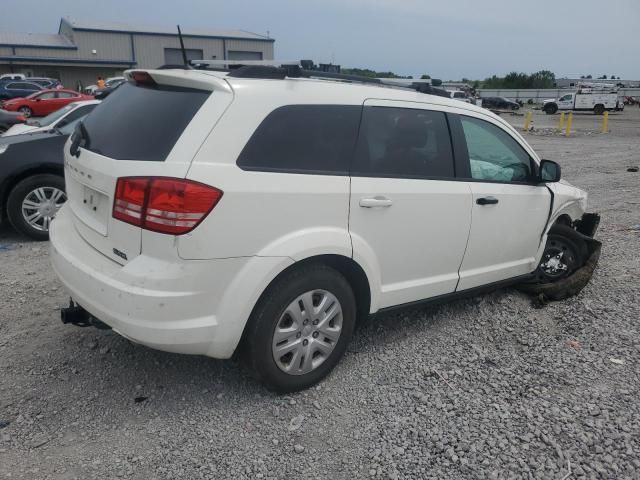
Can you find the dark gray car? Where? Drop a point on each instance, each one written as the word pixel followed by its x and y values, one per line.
pixel 500 103
pixel 9 119
pixel 32 179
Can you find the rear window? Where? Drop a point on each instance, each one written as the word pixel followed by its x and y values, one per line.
pixel 403 143
pixel 140 123
pixel 313 139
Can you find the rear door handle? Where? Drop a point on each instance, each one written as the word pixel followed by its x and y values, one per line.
pixel 487 201
pixel 375 202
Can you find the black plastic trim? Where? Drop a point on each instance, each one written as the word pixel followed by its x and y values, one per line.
pixel 470 292
pixel 459 144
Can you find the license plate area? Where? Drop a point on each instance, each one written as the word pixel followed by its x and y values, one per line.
pixel 95 209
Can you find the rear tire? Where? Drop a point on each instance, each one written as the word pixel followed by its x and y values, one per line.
pixel 598 109
pixel 26 111
pixel 36 194
pixel 289 344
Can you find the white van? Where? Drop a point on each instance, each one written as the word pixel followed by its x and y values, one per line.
pixel 210 210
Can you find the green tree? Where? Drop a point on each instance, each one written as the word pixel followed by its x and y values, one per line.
pixel 425 77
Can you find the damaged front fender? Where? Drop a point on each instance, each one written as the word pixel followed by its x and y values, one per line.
pixel 573 284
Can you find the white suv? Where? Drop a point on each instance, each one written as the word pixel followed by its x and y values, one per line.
pixel 207 210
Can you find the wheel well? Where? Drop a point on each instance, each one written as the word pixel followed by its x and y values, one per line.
pixel 563 219
pixel 7 186
pixel 348 267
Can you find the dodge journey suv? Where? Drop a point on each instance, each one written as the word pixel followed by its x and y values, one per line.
pixel 210 212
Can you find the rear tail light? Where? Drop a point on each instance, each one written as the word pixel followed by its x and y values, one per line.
pixel 161 204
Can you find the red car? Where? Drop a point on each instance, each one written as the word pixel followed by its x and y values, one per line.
pixel 44 102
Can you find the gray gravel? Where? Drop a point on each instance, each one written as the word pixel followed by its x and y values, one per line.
pixel 487 387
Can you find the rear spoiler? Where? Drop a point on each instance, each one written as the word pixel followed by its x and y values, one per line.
pixel 199 80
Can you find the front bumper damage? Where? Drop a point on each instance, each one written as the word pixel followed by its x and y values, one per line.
pixel 573 284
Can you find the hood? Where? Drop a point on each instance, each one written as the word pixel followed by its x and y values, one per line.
pixel 549 100
pixel 19 129
pixel 13 101
pixel 27 137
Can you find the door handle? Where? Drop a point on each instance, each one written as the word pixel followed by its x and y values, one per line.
pixel 487 201
pixel 375 202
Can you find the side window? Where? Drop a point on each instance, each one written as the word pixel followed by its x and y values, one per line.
pixel 23 86
pixel 47 96
pixel 304 138
pixel 66 95
pixel 12 86
pixel 404 143
pixel 493 154
pixel 566 98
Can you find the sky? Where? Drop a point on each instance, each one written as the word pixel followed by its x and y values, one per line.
pixel 445 39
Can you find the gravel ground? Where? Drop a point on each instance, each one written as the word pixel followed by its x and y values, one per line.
pixel 487 387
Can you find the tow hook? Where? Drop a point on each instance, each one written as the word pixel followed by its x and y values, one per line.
pixel 78 316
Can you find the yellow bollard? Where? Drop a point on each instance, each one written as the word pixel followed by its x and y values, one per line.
pixel 605 122
pixel 527 121
pixel 569 122
pixel 561 126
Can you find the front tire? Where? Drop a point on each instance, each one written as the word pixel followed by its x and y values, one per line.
pixel 34 202
pixel 300 328
pixel 550 109
pixel 564 253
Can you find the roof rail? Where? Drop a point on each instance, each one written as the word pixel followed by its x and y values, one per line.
pixel 237 63
pixel 276 69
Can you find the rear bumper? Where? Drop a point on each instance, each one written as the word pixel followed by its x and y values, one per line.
pixel 181 306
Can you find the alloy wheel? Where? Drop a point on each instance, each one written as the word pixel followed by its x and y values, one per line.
pixel 40 206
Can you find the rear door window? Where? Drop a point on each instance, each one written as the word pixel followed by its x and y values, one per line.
pixel 403 143
pixel 316 139
pixel 141 123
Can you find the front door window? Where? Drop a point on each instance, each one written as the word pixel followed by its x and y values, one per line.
pixel 493 154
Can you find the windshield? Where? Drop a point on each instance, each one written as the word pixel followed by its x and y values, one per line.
pixel 52 117
pixel 70 127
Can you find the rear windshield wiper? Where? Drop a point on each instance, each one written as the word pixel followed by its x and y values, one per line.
pixel 80 138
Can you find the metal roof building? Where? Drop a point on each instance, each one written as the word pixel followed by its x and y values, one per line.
pixel 83 50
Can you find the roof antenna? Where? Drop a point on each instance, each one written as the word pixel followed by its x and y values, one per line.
pixel 184 52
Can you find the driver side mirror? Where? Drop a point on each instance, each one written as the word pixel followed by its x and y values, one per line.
pixel 38 99
pixel 549 171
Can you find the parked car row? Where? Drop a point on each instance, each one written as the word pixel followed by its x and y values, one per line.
pixel 14 88
pixel 43 102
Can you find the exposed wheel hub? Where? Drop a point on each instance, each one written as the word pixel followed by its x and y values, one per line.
pixel 554 263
